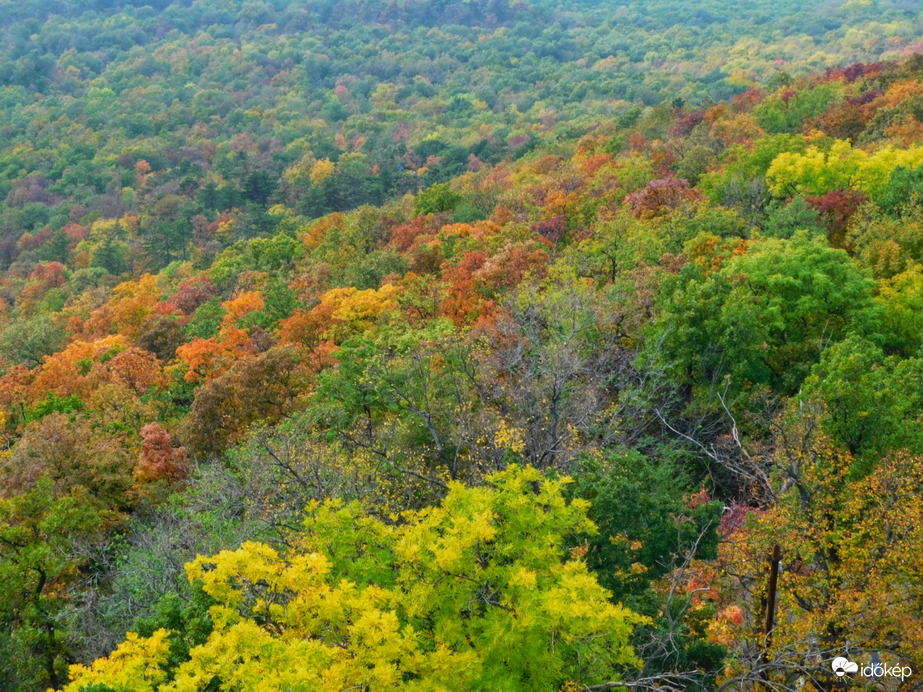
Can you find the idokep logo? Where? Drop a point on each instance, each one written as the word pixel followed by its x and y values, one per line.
pixel 841 666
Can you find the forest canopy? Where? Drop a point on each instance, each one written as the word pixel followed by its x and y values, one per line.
pixel 460 345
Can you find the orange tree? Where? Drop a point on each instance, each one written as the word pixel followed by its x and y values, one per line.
pixel 852 575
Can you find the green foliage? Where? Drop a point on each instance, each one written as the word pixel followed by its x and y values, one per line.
pixel 187 620
pixel 436 199
pixel 904 188
pixel 442 247
pixel 901 298
pixel 278 303
pixel 28 341
pixel 206 320
pixel 370 270
pixel 788 111
pixel 55 404
pixel 764 317
pixel 646 523
pixel 36 565
pixel 785 218
pixel 741 180
pixel 867 400
pixel 466 212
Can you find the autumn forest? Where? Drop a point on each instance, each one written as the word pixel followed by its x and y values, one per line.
pixel 488 345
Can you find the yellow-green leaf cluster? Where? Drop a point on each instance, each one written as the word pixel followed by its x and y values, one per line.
pixel 478 593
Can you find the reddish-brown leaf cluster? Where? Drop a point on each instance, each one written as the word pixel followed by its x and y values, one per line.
pixel 159 459
pixel 661 195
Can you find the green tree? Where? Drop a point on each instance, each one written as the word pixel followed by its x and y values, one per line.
pixel 28 341
pixel 37 562
pixel 764 317
pixel 436 199
pixel 868 400
pixel 651 524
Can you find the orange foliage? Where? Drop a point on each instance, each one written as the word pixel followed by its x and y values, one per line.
pixel 907 132
pixel 159 458
pixel 739 129
pixel 44 277
pixel 15 385
pixel 67 372
pixel 128 310
pixel 319 229
pixel 299 328
pixel 509 266
pixel 899 92
pixel 138 369
pixel 591 164
pixel 463 302
pixel 208 358
pixel 243 304
pixel 411 234
pixel 661 195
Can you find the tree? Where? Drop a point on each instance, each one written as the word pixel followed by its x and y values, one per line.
pixel 436 199
pixel 29 341
pixel 159 458
pixel 38 529
pixel 650 524
pixel 851 571
pixel 263 387
pixel 841 168
pixel 764 317
pixel 162 337
pixel 867 401
pixel 796 214
pixel 478 593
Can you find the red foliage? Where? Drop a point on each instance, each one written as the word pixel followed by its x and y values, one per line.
pixel 865 98
pixel 660 195
pixel 462 299
pixel 29 190
pixel 700 498
pixel 159 458
pixel 745 102
pixel 75 231
pixel 517 141
pixel 407 235
pixel 509 266
pixel 686 123
pixel 27 241
pixel 49 274
pixel 638 143
pixel 853 72
pixel 191 293
pixel 734 517
pixel 553 229
pixel 835 209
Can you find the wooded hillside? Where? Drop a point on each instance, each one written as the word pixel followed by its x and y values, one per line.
pixel 461 346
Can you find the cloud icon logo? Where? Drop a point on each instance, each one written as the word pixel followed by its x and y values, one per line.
pixel 841 666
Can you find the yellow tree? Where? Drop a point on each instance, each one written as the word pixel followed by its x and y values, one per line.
pixel 478 593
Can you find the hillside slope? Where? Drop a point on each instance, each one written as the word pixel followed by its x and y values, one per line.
pixel 707 314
